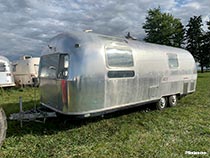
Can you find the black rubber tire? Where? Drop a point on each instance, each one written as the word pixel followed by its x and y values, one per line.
pixel 3 126
pixel 172 100
pixel 161 104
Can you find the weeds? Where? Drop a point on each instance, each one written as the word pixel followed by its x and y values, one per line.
pixel 131 133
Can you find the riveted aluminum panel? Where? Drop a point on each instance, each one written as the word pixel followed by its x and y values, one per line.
pixel 91 88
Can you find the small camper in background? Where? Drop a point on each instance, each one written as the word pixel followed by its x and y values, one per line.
pixel 6 76
pixel 26 70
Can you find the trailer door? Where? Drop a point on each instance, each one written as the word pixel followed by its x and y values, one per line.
pixel 120 82
pixel 3 77
pixel 53 75
pixel 6 77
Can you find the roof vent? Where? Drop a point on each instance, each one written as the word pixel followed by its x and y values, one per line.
pixel 25 57
pixel 128 36
pixel 88 30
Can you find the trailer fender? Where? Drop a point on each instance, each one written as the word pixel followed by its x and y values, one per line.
pixel 3 126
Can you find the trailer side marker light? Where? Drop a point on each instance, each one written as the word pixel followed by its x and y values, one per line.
pixel 64 91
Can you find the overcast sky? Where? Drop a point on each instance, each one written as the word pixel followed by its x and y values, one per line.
pixel 26 25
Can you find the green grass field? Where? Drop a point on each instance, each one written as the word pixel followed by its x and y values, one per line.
pixel 139 132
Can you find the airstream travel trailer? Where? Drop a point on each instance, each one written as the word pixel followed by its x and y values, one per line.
pixel 25 70
pixel 86 74
pixel 6 76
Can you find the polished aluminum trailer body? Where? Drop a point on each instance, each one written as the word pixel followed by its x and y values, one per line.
pixel 6 76
pixel 84 74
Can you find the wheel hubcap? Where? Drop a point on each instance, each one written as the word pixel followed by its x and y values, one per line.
pixel 162 102
pixel 173 99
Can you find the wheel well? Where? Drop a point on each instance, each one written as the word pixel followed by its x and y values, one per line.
pixel 177 94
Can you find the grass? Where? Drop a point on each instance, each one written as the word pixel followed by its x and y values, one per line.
pixel 137 132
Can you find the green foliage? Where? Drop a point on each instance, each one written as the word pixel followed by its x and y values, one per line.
pixel 208 24
pixel 131 133
pixel 198 41
pixel 163 28
pixel 206 46
pixel 194 36
pixel 205 50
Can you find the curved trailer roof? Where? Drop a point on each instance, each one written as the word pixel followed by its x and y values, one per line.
pixel 67 42
pixel 2 58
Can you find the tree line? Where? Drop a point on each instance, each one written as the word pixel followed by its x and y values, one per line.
pixel 165 29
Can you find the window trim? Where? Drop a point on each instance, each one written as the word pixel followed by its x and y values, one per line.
pixel 118 46
pixel 51 66
pixel 65 69
pixel 177 59
pixel 110 74
pixel 3 66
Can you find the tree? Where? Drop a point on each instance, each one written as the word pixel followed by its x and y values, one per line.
pixel 196 41
pixel 206 46
pixel 208 24
pixel 204 56
pixel 163 28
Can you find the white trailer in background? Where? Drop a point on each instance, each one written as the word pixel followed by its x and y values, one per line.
pixel 26 70
pixel 6 76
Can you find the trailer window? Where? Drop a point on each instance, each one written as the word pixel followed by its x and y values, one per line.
pixel 120 74
pixel 2 67
pixel 14 68
pixel 49 66
pixel 119 57
pixel 173 61
pixel 63 66
pixel 54 66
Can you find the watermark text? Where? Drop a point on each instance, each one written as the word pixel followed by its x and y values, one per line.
pixel 195 153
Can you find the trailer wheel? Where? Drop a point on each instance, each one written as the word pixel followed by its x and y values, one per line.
pixel 3 126
pixel 162 103
pixel 172 100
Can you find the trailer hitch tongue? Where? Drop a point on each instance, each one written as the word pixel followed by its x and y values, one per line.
pixel 38 114
pixel 21 110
